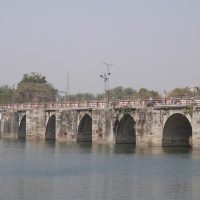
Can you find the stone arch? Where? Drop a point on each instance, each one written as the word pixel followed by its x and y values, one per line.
pixel 22 128
pixel 85 129
pixel 125 130
pixel 50 133
pixel 177 131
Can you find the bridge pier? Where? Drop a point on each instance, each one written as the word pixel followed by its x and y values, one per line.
pixel 9 124
pixel 195 123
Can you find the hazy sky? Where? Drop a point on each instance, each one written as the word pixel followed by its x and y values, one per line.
pixel 153 43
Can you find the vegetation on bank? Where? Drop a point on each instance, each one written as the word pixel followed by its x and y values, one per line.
pixel 6 94
pixel 34 88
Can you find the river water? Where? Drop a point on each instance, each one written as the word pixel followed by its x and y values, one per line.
pixel 65 171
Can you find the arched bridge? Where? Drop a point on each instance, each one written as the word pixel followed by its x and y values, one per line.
pixel 158 125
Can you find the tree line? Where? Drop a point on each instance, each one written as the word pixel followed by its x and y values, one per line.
pixel 34 88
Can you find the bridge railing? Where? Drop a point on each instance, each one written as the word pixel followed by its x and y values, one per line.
pixel 101 104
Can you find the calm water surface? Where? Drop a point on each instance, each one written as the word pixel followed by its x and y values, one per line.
pixel 60 171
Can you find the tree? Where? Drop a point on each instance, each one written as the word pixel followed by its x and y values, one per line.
pixel 144 93
pixel 181 93
pixel 122 93
pixel 6 94
pixel 33 78
pixel 34 88
pixel 129 92
pixel 196 91
pixel 116 92
pixel 100 97
pixel 82 97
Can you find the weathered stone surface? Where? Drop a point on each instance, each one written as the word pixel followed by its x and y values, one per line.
pixel 9 124
pixel 148 126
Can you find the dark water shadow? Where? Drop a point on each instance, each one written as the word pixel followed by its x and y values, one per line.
pixel 85 147
pixel 13 142
pixel 124 149
pixel 102 148
pixel 50 143
pixel 81 147
pixel 177 150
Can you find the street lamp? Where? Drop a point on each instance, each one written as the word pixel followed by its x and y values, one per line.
pixel 108 73
pixel 13 95
pixel 105 77
pixel 108 83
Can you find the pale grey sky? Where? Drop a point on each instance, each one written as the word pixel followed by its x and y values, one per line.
pixel 153 43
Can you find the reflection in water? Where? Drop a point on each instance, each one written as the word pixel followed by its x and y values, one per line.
pixel 124 148
pixel 177 150
pixel 53 170
pixel 49 143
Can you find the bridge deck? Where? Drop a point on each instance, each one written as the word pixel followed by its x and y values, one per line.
pixel 158 104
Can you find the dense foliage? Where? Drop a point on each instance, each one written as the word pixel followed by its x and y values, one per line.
pixel 34 88
pixel 6 94
pixel 117 93
pixel 181 93
pixel 143 93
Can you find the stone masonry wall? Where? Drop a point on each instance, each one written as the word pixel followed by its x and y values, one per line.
pixel 149 123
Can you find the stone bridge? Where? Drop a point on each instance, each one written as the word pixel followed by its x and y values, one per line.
pixel 158 125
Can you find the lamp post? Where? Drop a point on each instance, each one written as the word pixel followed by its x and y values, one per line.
pixel 67 89
pixel 105 77
pixel 108 73
pixel 108 81
pixel 13 96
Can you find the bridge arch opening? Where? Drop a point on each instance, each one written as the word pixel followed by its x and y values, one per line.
pixel 50 133
pixel 85 129
pixel 126 133
pixel 177 131
pixel 22 128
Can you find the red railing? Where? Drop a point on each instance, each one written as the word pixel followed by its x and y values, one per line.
pixel 102 104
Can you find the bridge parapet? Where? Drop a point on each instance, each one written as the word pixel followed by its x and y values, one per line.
pixel 103 104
